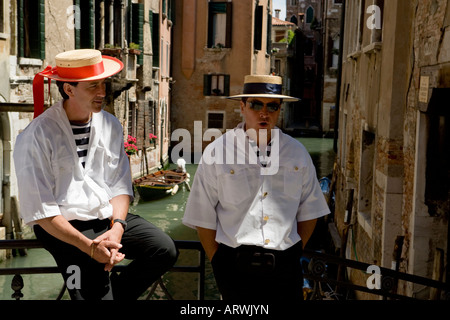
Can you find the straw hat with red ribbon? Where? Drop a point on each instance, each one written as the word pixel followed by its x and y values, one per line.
pixel 74 66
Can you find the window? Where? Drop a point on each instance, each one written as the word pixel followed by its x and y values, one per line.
pixel 31 28
pixel 366 175
pixel 277 66
pixel 84 24
pixel 219 25
pixel 257 40
pixel 108 18
pixel 216 85
pixel 216 119
pixel 309 14
pixel 437 186
pixel 154 30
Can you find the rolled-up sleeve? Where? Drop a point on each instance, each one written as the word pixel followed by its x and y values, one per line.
pixel 117 171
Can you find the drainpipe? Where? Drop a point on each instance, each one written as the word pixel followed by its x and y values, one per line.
pixel 7 218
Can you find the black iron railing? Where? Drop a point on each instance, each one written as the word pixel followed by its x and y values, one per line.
pixel 316 271
pixel 17 281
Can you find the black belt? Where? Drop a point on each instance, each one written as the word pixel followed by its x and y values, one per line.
pixel 256 258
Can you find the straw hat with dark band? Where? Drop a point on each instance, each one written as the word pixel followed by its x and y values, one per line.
pixel 74 66
pixel 263 86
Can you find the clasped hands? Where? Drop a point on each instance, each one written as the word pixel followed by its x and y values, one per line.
pixel 105 248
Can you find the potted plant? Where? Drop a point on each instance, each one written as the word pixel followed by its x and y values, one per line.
pixel 134 49
pixel 111 50
pixel 130 146
pixel 152 138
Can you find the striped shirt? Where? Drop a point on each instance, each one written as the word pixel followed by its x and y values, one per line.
pixel 81 133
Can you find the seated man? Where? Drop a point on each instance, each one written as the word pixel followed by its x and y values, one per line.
pixel 75 185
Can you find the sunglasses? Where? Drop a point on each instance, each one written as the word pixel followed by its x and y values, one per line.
pixel 258 106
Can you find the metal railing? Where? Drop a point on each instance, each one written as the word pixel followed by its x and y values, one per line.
pixel 388 284
pixel 316 272
pixel 17 281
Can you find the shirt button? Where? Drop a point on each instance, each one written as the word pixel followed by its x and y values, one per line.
pixel 232 171
pixel 267 241
pixel 265 194
pixel 266 218
pixel 296 168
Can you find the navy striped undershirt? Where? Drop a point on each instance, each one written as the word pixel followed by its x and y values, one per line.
pixel 81 133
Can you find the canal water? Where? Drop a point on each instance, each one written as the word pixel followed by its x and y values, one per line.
pixel 166 214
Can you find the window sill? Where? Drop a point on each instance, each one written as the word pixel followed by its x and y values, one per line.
pixel 217 49
pixel 30 62
pixel 372 48
pixel 354 55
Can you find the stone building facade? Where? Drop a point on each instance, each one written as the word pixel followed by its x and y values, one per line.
pixel 138 32
pixel 216 44
pixel 394 138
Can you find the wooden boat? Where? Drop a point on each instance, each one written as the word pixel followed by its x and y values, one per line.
pixel 160 184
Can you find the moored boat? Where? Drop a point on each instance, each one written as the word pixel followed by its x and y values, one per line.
pixel 160 184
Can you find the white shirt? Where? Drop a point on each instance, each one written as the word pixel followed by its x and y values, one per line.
pixel 52 180
pixel 250 205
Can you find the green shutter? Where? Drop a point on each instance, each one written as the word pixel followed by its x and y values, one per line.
pixel 77 32
pixel 20 29
pixel 41 26
pixel 137 35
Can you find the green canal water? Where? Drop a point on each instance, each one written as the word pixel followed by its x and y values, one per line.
pixel 165 213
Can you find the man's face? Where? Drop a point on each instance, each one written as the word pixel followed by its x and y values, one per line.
pixel 89 95
pixel 261 113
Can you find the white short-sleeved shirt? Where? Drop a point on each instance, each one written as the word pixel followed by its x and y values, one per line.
pixel 248 204
pixel 51 178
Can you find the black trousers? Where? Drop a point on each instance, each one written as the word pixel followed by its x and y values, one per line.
pixel 255 273
pixel 151 250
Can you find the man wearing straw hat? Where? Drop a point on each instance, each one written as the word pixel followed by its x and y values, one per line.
pixel 75 185
pixel 255 201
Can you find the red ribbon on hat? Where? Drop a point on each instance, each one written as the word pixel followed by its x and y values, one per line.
pixel 38 90
pixel 67 73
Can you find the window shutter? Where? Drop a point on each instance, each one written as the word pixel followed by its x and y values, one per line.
pixel 257 39
pixel 138 28
pixel 206 85
pixel 20 29
pixel 154 29
pixel 269 34
pixel 77 32
pixel 226 85
pixel 41 26
pixel 229 25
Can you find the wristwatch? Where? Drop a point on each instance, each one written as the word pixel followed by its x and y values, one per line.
pixel 123 222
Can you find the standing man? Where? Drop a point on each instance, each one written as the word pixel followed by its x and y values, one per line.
pixel 75 185
pixel 255 200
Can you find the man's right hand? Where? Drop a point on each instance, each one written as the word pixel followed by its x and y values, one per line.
pixel 101 252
